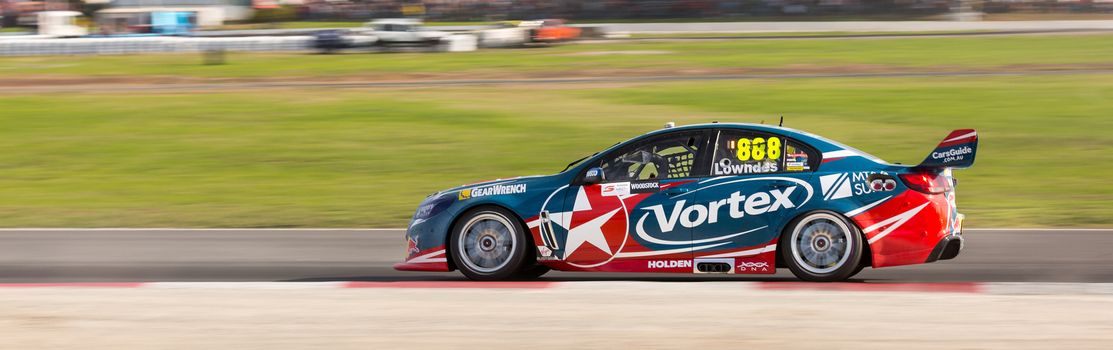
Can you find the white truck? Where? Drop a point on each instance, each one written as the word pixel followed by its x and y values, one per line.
pixel 60 24
pixel 405 31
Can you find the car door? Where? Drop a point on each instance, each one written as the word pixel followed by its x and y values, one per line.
pixel 758 181
pixel 630 216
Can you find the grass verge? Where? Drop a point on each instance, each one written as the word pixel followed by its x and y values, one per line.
pixel 365 158
pixel 1016 52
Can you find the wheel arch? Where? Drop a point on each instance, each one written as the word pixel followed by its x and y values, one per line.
pixel 448 242
pixel 867 253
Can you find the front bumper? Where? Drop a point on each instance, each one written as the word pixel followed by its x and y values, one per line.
pixel 425 249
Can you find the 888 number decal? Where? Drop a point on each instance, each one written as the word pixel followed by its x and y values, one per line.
pixel 759 148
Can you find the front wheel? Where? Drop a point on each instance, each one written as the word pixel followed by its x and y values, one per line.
pixel 488 244
pixel 822 246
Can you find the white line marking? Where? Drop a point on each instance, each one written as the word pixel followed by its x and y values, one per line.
pixel 835 186
pixel 863 209
pixel 972 133
pixel 715 179
pixel 802 183
pixel 750 252
pixel 243 285
pixel 533 224
pixel 839 154
pixel 429 258
pixel 896 222
pixel 665 252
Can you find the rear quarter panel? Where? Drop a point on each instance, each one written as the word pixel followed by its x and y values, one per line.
pixel 900 226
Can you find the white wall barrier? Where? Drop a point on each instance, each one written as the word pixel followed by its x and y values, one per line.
pixel 126 45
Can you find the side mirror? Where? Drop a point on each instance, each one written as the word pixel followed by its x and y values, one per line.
pixel 594 176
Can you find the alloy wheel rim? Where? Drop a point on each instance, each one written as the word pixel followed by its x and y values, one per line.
pixel 821 244
pixel 487 242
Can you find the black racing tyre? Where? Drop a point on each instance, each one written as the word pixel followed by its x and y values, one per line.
pixel 488 244
pixel 861 266
pixel 821 246
pixel 532 272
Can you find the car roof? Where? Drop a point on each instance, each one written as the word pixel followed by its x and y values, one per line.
pixel 746 126
pixel 821 143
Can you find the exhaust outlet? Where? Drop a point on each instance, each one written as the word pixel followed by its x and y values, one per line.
pixel 714 267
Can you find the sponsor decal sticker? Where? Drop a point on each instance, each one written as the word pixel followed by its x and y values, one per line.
pixel 752 266
pixel 835 186
pixel 757 148
pixel 749 156
pixel 491 190
pixel 844 185
pixel 797 162
pixel 628 188
pixel 411 246
pixel 597 228
pixel 953 154
pixel 796 166
pixel 544 251
pixel 645 187
pixel 736 206
pixel 669 264
pixel 726 167
pixel 423 211
pixel 616 189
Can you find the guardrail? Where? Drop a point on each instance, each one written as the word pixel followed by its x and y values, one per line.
pixel 116 46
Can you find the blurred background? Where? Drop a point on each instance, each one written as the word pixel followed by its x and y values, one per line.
pixel 232 113
pixel 261 11
pixel 323 123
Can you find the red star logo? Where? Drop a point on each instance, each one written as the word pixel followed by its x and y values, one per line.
pixel 597 228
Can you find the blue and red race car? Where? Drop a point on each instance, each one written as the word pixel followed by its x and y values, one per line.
pixel 709 198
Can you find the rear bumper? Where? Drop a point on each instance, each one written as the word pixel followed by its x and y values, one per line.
pixel 947 248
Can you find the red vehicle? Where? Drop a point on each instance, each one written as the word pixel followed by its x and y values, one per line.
pixel 550 30
pixel 710 198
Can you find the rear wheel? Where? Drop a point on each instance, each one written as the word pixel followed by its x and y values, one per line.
pixel 488 244
pixel 822 246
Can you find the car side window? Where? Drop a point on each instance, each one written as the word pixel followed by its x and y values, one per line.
pixel 666 157
pixel 740 152
pixel 799 158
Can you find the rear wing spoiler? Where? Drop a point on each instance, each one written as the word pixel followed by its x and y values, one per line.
pixel 956 151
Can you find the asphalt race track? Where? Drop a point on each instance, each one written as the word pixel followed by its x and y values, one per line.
pixel 138 255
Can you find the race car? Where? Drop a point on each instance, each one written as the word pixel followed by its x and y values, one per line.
pixel 404 31
pixel 333 40
pixel 718 198
pixel 550 30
